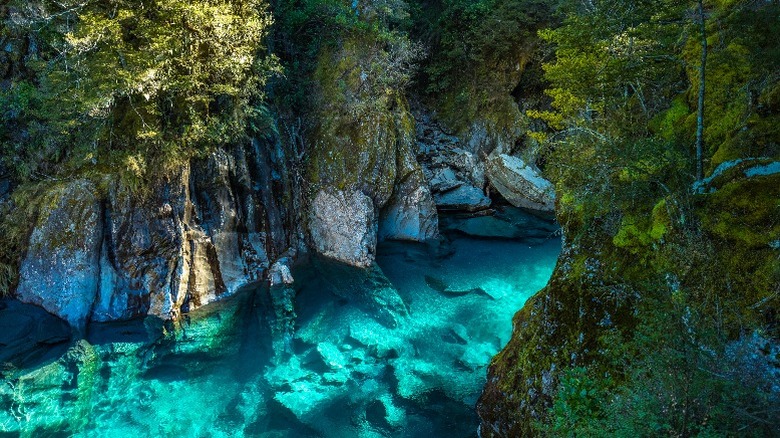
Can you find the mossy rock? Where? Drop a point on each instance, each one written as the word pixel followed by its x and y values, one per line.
pixel 745 211
pixel 360 122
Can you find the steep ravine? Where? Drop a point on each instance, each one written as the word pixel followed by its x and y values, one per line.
pixel 275 281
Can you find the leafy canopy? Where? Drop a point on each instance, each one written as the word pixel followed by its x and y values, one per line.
pixel 133 82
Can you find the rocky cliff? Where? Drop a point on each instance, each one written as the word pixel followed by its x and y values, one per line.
pixel 99 252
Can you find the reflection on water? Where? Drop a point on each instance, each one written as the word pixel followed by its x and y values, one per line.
pixel 401 350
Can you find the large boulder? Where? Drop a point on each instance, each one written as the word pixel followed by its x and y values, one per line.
pixel 343 226
pixel 520 183
pixel 363 141
pixel 61 270
pixel 463 198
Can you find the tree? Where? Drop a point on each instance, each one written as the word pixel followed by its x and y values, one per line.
pixel 702 88
pixel 129 83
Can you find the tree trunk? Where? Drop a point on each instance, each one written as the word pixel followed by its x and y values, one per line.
pixel 702 88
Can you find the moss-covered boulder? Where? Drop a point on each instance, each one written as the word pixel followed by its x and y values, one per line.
pixel 363 142
pixel 650 285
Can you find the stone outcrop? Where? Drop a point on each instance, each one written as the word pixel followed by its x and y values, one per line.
pixel 363 172
pixel 460 168
pixel 410 214
pixel 520 183
pixel 597 287
pixel 456 175
pixel 193 237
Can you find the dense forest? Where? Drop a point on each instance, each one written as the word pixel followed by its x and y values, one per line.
pixel 657 121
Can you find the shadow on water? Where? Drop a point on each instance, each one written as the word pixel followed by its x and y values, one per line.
pixel 397 350
pixel 29 336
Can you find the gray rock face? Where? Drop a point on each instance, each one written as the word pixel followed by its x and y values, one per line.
pixel 520 184
pixel 411 213
pixel 61 271
pixel 485 138
pixel 196 237
pixel 411 216
pixel 343 226
pixel 280 273
pixel 456 175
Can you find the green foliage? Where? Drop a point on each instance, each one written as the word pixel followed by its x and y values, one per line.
pixel 122 87
pixel 578 407
pixel 474 35
pixel 308 28
pixel 478 52
pixel 17 217
pixel 746 211
pixel 620 131
pixel 694 383
pixel 614 67
pixel 742 74
pixel 117 83
pixel 348 67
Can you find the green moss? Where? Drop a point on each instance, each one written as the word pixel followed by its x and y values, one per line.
pixel 636 233
pixel 670 123
pixel 361 120
pixel 745 211
pixel 660 221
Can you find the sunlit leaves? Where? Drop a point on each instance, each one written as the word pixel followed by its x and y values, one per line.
pixel 166 78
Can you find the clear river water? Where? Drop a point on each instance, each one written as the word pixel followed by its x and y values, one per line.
pixel 398 351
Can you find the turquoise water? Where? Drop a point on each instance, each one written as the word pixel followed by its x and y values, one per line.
pixel 399 351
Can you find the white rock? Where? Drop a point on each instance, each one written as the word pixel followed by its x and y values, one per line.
pixel 520 183
pixel 343 226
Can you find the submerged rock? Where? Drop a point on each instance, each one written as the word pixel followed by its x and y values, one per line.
pixel 504 222
pixel 520 183
pixel 443 288
pixel 29 334
pixel 368 289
